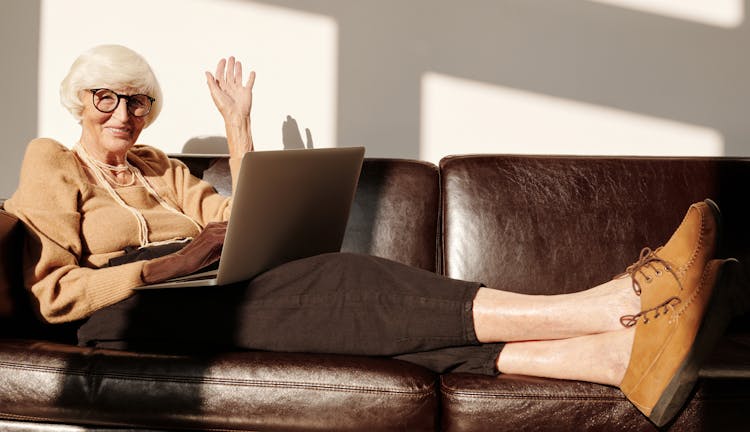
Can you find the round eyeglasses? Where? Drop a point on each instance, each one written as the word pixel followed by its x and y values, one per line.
pixel 106 101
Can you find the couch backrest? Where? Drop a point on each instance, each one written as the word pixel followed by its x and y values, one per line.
pixel 544 225
pixel 394 214
pixel 17 318
pixel 522 223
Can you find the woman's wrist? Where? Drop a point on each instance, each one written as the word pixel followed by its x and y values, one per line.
pixel 237 121
pixel 239 137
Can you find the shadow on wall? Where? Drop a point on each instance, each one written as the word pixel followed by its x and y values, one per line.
pixel 206 145
pixel 215 172
pixel 572 49
pixel 291 136
pixel 217 145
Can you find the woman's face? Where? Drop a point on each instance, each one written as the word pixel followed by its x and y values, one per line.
pixel 109 135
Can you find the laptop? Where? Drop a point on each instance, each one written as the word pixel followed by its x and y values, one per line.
pixel 289 204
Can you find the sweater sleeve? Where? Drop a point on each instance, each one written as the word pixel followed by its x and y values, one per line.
pixel 47 201
pixel 195 197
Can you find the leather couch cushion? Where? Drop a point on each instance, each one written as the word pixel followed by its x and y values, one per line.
pixel 550 225
pixel 395 212
pixel 231 391
pixel 395 215
pixel 513 402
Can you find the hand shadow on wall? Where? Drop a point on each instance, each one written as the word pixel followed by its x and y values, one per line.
pixel 214 144
pixel 291 136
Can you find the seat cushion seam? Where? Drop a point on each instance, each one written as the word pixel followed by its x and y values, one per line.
pixel 223 381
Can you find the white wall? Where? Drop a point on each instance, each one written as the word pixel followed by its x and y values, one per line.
pixel 293 54
pixel 416 79
pixel 515 121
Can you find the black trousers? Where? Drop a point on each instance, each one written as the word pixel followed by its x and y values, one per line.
pixel 333 303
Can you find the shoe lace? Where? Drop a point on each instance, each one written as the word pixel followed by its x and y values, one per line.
pixel 649 259
pixel 662 309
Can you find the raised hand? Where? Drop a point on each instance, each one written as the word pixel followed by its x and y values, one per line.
pixel 233 99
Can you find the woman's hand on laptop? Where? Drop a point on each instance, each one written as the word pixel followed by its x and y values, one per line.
pixel 204 250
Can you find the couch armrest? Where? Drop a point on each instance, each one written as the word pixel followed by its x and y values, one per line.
pixel 9 262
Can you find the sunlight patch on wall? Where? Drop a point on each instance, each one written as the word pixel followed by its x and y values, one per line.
pixel 293 53
pixel 721 13
pixel 463 116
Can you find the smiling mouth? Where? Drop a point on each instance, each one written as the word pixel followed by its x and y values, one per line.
pixel 119 131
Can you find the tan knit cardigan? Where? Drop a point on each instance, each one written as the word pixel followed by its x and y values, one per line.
pixel 75 226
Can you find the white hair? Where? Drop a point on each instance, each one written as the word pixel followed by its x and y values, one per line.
pixel 112 67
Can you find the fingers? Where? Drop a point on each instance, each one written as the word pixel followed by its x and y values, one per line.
pixel 211 81
pixel 211 237
pixel 205 249
pixel 220 68
pixel 229 71
pixel 237 72
pixel 231 97
pixel 230 77
pixel 213 234
pixel 216 226
pixel 215 231
pixel 250 80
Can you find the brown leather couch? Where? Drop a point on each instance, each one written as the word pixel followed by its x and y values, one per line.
pixel 538 225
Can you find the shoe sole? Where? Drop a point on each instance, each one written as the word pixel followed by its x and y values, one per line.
pixel 740 284
pixel 715 321
pixel 717 217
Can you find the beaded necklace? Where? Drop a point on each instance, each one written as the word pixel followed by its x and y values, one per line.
pixel 105 168
pixel 98 167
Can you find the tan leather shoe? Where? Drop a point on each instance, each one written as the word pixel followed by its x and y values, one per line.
pixel 683 257
pixel 672 340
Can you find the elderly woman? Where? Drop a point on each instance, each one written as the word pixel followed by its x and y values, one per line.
pixel 107 215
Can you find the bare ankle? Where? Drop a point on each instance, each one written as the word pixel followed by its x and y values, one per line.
pixel 621 355
pixel 616 299
pixel 601 358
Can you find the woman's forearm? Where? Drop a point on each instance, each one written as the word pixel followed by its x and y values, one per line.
pixel 240 141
